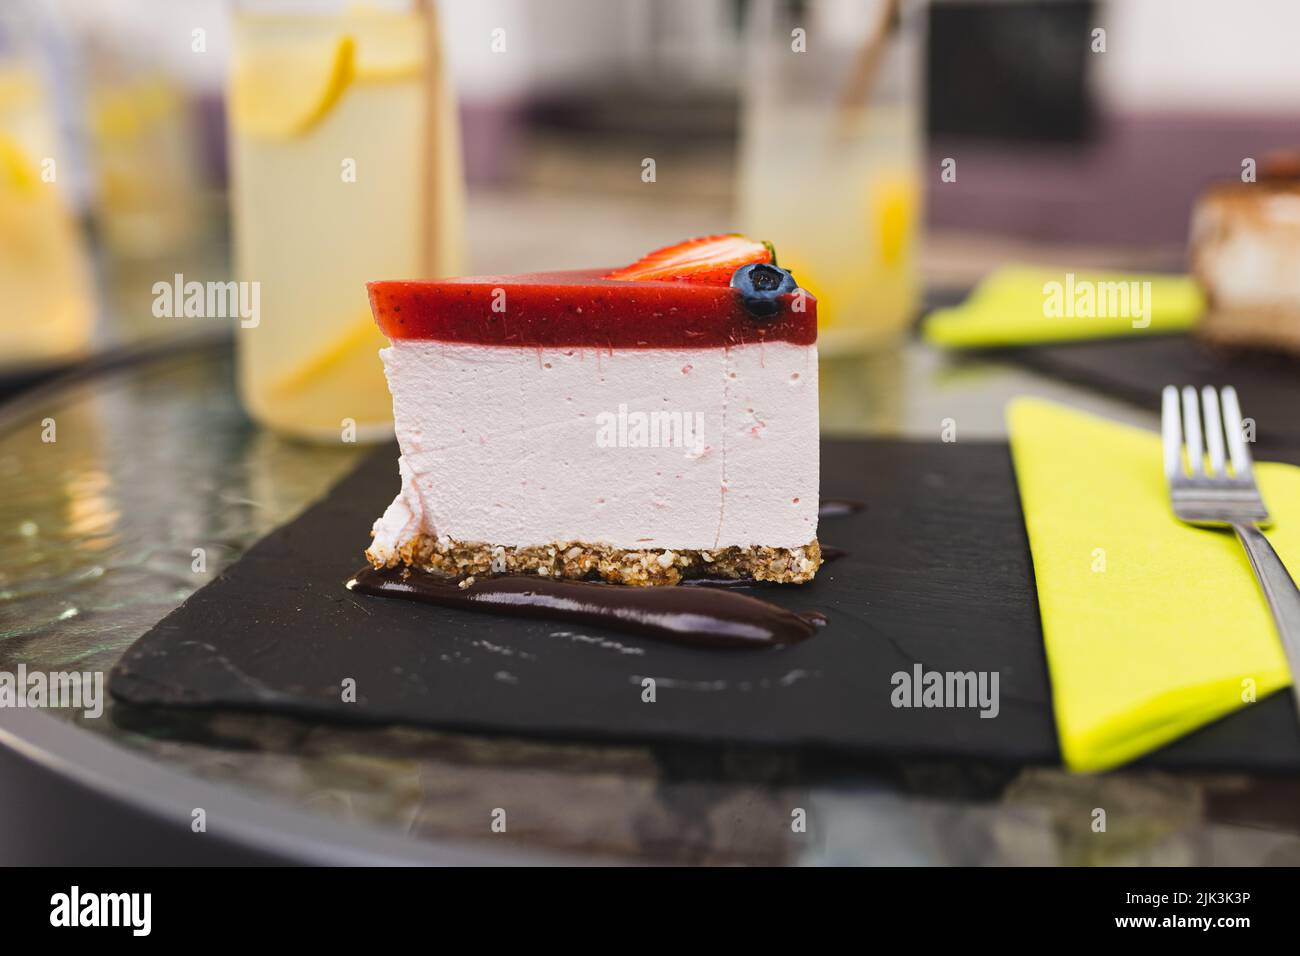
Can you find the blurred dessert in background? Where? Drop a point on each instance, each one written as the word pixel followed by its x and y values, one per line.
pixel 1245 251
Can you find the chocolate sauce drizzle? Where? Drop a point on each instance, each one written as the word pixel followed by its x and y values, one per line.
pixel 684 615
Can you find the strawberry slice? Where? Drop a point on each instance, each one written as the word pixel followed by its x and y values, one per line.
pixel 708 260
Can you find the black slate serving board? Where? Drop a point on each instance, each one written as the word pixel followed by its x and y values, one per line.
pixel 1136 369
pixel 938 573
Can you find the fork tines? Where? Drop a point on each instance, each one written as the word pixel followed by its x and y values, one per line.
pixel 1222 419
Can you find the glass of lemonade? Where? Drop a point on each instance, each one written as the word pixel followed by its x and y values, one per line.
pixel 47 314
pixel 830 159
pixel 345 161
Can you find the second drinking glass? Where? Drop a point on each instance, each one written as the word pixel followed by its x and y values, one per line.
pixel 345 161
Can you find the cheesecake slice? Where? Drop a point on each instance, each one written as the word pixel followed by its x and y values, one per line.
pixel 637 427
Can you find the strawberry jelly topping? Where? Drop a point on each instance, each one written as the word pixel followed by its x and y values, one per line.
pixel 580 309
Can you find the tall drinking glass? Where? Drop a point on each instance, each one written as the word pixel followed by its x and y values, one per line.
pixel 346 168
pixel 830 158
pixel 46 303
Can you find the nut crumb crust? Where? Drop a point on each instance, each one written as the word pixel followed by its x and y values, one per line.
pixel 576 560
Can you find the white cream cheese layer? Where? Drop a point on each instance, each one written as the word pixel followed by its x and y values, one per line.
pixel 634 449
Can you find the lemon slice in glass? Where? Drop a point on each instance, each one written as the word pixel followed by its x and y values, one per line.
pixel 281 92
pixel 390 47
pixel 347 365
pixel 362 337
pixel 17 173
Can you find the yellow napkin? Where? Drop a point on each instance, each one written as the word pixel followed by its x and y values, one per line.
pixel 1152 628
pixel 1023 305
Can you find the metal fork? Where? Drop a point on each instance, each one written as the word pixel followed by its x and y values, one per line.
pixel 1211 496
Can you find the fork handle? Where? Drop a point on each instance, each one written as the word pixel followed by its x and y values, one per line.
pixel 1280 590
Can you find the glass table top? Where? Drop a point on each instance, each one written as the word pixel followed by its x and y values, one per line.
pixel 152 459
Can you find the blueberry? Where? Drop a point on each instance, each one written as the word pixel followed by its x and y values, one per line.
pixel 760 285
